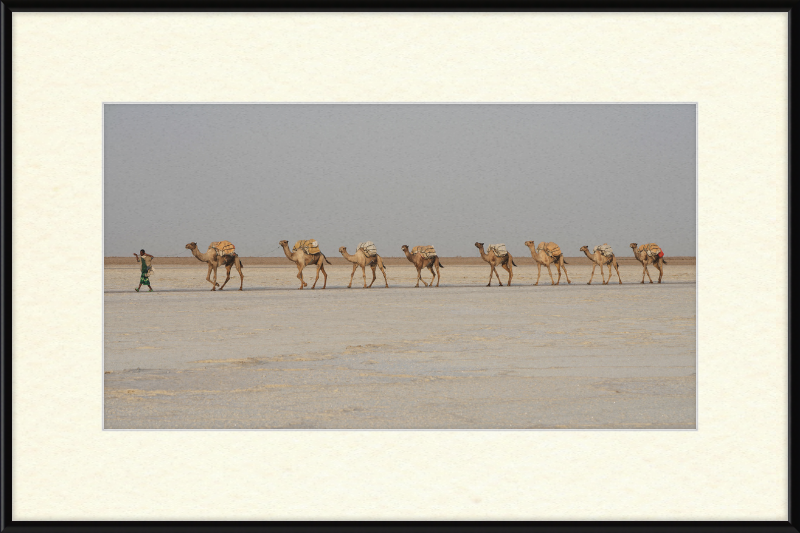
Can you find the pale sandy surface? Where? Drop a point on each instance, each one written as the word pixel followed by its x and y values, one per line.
pixel 460 356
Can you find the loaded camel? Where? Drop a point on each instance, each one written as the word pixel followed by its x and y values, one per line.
pixel 597 258
pixel 641 255
pixel 505 261
pixel 541 258
pixel 302 259
pixel 420 261
pixel 215 261
pixel 361 260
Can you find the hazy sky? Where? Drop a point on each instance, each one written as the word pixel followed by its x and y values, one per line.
pixel 440 174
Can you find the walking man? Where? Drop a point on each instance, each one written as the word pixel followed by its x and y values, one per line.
pixel 146 260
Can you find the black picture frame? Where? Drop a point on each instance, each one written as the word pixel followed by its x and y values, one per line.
pixel 9 7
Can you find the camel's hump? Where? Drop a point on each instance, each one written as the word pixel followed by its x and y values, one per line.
pixel 550 248
pixel 426 250
pixel 651 249
pixel 222 247
pixel 309 246
pixel 368 247
pixel 604 248
pixel 498 249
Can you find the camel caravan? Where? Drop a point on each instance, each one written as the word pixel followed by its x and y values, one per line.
pixel 306 252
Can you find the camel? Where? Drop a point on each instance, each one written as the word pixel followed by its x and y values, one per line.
pixel 542 258
pixel 361 260
pixel 599 259
pixel 302 259
pixel 215 261
pixel 645 260
pixel 420 261
pixel 504 261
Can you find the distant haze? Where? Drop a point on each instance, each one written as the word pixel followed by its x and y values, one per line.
pixel 442 174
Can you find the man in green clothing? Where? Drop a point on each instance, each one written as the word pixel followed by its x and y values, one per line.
pixel 145 260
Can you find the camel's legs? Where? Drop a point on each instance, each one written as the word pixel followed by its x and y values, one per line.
pixel 228 272
pixel 325 279
pixel 508 267
pixel 372 266
pixel 553 282
pixel 562 264
pixel 603 276
pixel 616 267
pixel 239 269
pixel 319 266
pixel 660 271
pixel 300 276
pixel 419 277
pixel 540 272
pixel 380 265
pixel 433 274
pixel 592 276
pixel 208 277
pixel 438 275
pixel 491 272
pixel 355 266
pixel 494 269
pixel 214 283
pixel 430 267
pixel 646 272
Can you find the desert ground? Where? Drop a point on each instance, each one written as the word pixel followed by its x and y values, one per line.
pixel 460 356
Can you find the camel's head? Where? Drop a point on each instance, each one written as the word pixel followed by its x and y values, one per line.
pixel 284 243
pixel 191 246
pixel 342 249
pixel 478 245
pixel 404 247
pixel 634 245
pixel 528 243
pixel 584 248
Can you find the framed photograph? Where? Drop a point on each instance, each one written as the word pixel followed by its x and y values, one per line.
pixel 295 148
pixel 565 354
